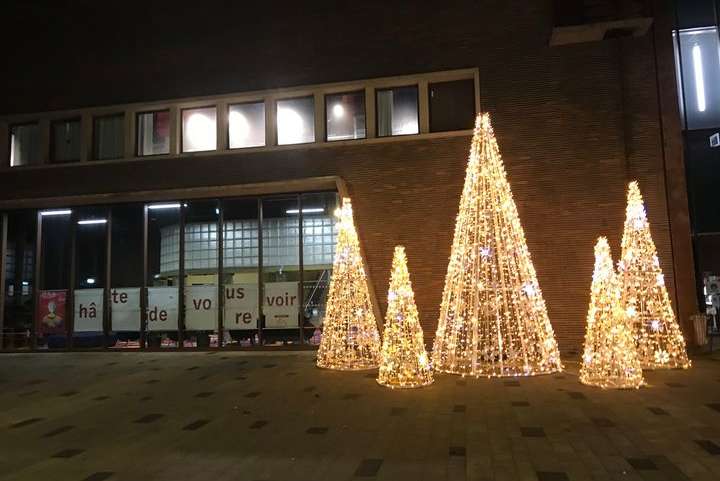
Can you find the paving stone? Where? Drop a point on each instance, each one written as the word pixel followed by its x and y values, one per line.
pixel 714 406
pixel 532 432
pixel 459 408
pixel 253 394
pixel 56 431
pixel 69 393
pixel 146 398
pixel 309 389
pixel 258 424
pixel 511 383
pixel 368 468
pixel 269 366
pixel 101 398
pixel 351 396
pixel 576 395
pixel 552 476
pixel 99 476
pixel 658 411
pixel 152 381
pixel 641 464
pixel 709 446
pixel 149 418
pixel 461 382
pixel 204 394
pixel 317 430
pixel 674 384
pixel 520 404
pixel 397 411
pixel 456 451
pixel 68 453
pixel 25 422
pixel 603 422
pixel 195 425
pixel 192 368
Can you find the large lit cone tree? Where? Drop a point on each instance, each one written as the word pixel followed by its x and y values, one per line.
pixel 350 339
pixel 493 320
pixel 645 299
pixel 609 358
pixel 403 359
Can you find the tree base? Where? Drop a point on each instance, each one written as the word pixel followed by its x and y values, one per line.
pixel 506 372
pixel 405 386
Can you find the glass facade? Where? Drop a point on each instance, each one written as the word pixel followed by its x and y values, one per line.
pixel 187 274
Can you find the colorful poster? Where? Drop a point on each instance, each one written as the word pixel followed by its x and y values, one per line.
pixel 50 313
pixel 162 311
pixel 88 309
pixel 201 308
pixel 125 305
pixel 241 306
pixel 281 305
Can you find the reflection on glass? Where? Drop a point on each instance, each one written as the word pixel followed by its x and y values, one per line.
pixel 109 137
pixel 246 125
pixel 126 275
pixel 65 141
pixel 19 272
pixel 295 121
pixel 163 254
pixel 51 317
pixel 24 144
pixel 153 133
pixel 201 278
pixel 240 276
pixel 199 129
pixel 281 271
pixel 319 238
pixel 397 111
pixel 345 114
pixel 698 75
pixel 90 256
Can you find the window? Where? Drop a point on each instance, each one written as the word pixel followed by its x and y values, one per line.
pixel 199 129
pixel 153 133
pixel 697 61
pixel 109 137
pixel 295 121
pixel 397 111
pixel 345 116
pixel 24 144
pixel 246 125
pixel 452 105
pixel 65 141
pixel 90 268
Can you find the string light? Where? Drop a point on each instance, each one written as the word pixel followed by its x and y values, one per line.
pixel 403 359
pixel 609 358
pixel 350 339
pixel 645 299
pixel 493 320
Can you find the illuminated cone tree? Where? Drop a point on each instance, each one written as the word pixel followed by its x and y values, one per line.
pixel 403 359
pixel 493 320
pixel 645 299
pixel 609 359
pixel 350 339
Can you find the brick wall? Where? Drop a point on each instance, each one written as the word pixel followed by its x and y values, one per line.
pixel 574 123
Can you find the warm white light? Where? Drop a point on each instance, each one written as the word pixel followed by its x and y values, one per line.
pixel 699 79
pixel 56 212
pixel 200 132
pixel 90 280
pixel 338 111
pixel 164 206
pixel 311 210
pixel 239 128
pixel 290 126
pixel 92 221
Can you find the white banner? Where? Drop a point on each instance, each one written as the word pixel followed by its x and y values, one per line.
pixel 162 312
pixel 281 305
pixel 201 308
pixel 241 306
pixel 88 310
pixel 125 305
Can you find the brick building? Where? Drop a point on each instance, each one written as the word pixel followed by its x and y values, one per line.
pixel 170 131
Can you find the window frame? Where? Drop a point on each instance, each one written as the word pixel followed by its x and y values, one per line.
pixel 137 127
pixel 265 120
pixel 429 93
pixel 395 87
pixel 181 137
pixel 93 155
pixel 9 142
pixel 277 130
pixel 325 113
pixel 53 123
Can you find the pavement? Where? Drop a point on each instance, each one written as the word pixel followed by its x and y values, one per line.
pixel 274 416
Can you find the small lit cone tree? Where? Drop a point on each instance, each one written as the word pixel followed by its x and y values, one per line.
pixel 609 358
pixel 350 339
pixel 645 299
pixel 493 320
pixel 403 359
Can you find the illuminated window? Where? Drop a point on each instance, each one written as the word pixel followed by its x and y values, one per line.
pixel 246 125
pixel 295 121
pixel 66 141
pixel 697 60
pixel 199 129
pixel 345 116
pixel 153 133
pixel 452 105
pixel 24 144
pixel 397 111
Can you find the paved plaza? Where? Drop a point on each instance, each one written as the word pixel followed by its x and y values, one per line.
pixel 274 416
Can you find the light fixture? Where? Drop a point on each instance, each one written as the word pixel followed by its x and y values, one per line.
pixel 92 221
pixel 311 210
pixel 164 206
pixel 25 283
pixel 699 80
pixel 217 211
pixel 338 111
pixel 55 212
pixel 90 280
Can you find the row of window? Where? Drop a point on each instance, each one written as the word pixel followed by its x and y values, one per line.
pixel 451 107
